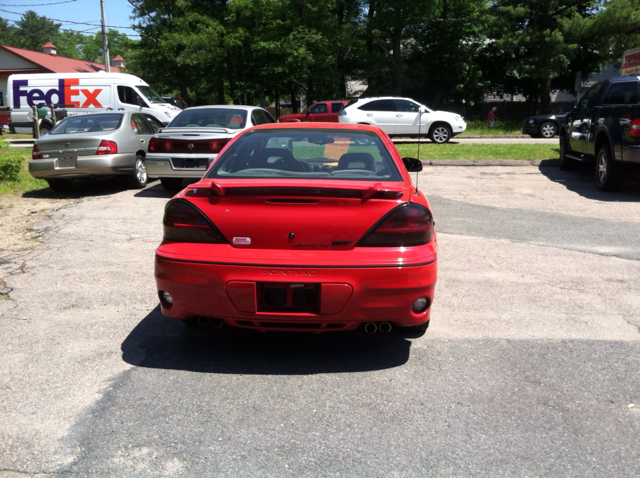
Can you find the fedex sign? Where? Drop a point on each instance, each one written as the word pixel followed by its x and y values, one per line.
pixel 68 92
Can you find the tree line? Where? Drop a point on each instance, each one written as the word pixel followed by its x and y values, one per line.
pixel 435 51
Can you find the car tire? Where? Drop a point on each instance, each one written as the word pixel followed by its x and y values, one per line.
pixel 548 130
pixel 60 185
pixel 414 331
pixel 608 171
pixel 139 178
pixel 440 133
pixel 44 130
pixel 171 184
pixel 566 163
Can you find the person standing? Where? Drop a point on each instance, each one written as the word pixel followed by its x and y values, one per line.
pixel 491 117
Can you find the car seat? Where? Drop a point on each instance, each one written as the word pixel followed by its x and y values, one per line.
pixel 356 161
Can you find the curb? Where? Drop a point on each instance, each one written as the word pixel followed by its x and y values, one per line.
pixel 542 163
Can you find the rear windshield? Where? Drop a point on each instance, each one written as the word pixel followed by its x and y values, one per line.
pixel 229 118
pixel 298 153
pixel 88 124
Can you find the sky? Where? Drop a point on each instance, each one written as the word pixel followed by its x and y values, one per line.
pixel 117 13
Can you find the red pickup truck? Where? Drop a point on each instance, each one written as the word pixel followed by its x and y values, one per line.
pixel 5 117
pixel 320 112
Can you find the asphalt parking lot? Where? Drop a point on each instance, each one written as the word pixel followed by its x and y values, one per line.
pixel 531 366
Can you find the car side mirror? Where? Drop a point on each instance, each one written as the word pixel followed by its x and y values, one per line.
pixel 413 165
pixel 423 109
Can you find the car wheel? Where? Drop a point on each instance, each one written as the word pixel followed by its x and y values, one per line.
pixel 608 172
pixel 139 178
pixel 44 130
pixel 566 164
pixel 414 331
pixel 60 185
pixel 171 184
pixel 548 129
pixel 440 134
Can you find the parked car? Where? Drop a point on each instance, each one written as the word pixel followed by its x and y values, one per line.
pixel 96 144
pixel 403 117
pixel 544 126
pixel 605 127
pixel 175 101
pixel 325 234
pixel 322 111
pixel 194 138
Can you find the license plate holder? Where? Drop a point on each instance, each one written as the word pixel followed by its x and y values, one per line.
pixel 67 162
pixel 289 297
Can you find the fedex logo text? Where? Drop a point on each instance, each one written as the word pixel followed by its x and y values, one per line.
pixel 65 94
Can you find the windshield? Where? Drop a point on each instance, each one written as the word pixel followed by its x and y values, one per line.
pixel 150 95
pixel 229 118
pixel 88 124
pixel 312 154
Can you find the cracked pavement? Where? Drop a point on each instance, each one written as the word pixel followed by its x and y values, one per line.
pixel 529 368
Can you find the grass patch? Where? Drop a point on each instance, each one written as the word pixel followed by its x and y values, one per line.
pixel 25 182
pixel 7 135
pixel 480 151
pixel 501 127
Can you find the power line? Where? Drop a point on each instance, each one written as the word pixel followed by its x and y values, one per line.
pixel 41 4
pixel 67 21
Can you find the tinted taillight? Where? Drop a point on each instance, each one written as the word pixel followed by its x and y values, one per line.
pixel 107 147
pixel 154 145
pixel 183 222
pixel 634 128
pixel 217 144
pixel 407 225
pixel 35 152
pixel 167 144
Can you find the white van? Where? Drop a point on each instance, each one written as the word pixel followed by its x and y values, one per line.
pixel 79 93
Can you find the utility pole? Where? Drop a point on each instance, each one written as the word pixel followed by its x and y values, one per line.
pixel 105 41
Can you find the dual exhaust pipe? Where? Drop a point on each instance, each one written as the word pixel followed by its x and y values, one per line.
pixel 210 322
pixel 382 327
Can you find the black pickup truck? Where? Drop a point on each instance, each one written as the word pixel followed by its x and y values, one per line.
pixel 605 126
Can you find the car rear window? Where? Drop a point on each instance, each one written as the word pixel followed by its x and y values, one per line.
pixel 229 118
pixel 88 124
pixel 312 154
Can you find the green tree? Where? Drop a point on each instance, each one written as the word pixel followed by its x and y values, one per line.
pixel 7 33
pixel 534 46
pixel 34 31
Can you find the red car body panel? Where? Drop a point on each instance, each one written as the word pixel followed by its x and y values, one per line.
pixel 353 284
pixel 329 116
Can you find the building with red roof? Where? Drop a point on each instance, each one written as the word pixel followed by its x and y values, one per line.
pixel 15 60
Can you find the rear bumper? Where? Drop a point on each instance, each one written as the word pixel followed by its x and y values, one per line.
pixel 347 295
pixel 86 166
pixel 161 166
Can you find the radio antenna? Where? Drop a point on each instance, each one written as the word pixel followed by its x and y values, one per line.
pixel 419 137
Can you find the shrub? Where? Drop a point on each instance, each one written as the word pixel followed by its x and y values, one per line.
pixel 10 168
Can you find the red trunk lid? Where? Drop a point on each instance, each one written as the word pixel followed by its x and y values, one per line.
pixel 278 214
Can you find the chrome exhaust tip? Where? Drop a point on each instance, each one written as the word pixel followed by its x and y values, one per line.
pixel 385 327
pixel 204 321
pixel 371 328
pixel 217 323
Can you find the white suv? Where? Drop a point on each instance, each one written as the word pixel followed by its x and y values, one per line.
pixel 403 117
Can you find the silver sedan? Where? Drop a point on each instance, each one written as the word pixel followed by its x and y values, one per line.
pixel 94 145
pixel 193 139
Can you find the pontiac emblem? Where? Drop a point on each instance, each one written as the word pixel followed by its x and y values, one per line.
pixel 190 146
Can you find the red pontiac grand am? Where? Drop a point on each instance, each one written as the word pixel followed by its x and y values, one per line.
pixel 301 227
